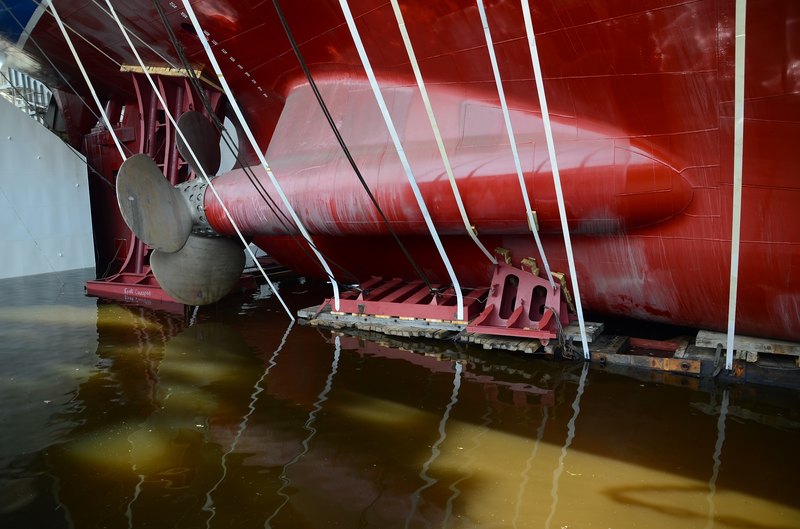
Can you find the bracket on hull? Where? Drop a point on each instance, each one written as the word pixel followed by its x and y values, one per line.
pixel 521 304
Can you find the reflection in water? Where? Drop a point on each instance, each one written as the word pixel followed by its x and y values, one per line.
pixel 257 389
pixel 198 367
pixel 141 331
pixel 712 482
pixel 124 417
pixel 576 408
pixel 309 427
pixel 467 466
pixel 435 447
pixel 528 464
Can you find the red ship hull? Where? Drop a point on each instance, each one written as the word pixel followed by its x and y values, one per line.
pixel 641 97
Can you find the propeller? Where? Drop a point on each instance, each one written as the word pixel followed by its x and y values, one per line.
pixel 202 138
pixel 193 269
pixel 155 211
pixel 201 272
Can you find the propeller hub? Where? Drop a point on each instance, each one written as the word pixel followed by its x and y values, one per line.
pixel 194 191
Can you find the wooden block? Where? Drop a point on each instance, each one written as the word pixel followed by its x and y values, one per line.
pixel 308 312
pixel 593 330
pixel 610 345
pixel 747 343
pixel 683 346
pixel 747 356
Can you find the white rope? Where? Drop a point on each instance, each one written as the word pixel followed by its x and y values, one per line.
pixel 249 133
pixel 551 151
pixel 436 133
pixel 738 151
pixel 513 141
pixel 211 186
pixel 88 82
pixel 27 29
pixel 351 24
pixel 80 36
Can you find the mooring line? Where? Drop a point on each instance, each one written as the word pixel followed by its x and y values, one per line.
pixel 249 133
pixel 88 81
pixel 551 151
pixel 513 142
pixel 373 82
pixel 345 149
pixel 738 154
pixel 205 176
pixel 471 230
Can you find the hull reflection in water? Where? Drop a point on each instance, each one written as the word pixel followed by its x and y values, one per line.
pixel 232 422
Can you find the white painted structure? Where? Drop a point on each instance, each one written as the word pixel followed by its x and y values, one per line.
pixel 25 92
pixel 45 219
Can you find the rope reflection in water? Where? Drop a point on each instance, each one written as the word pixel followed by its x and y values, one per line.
pixel 257 390
pixel 529 463
pixel 151 373
pixel 576 406
pixel 486 420
pixel 429 481
pixel 712 482
pixel 309 426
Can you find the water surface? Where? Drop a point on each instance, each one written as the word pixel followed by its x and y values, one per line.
pixel 121 416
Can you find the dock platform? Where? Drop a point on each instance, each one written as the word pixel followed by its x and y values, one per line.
pixel 757 360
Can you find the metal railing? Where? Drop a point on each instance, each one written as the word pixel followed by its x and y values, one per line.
pixel 25 93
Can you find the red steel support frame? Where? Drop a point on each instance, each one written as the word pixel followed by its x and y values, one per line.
pixel 135 282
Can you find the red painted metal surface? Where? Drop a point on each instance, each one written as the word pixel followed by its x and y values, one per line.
pixel 407 299
pixel 140 287
pixel 641 93
pixel 142 126
pixel 499 393
pixel 523 305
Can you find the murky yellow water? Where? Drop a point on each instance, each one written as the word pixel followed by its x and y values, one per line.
pixel 116 416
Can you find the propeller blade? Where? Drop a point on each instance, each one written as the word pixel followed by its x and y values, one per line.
pixel 201 272
pixel 156 212
pixel 203 139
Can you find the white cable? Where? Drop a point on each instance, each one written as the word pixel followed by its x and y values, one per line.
pixel 435 126
pixel 351 24
pixel 551 151
pixel 193 155
pixel 88 82
pixel 738 151
pixel 513 142
pixel 84 39
pixel 227 89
